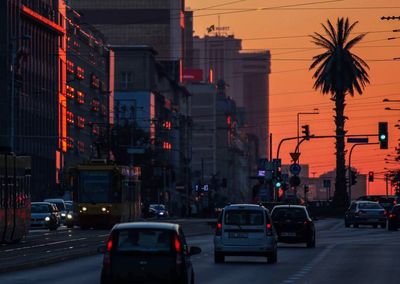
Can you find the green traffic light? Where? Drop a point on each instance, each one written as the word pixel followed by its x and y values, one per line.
pixel 278 185
pixel 382 137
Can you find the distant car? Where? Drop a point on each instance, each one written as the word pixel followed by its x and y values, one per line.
pixel 61 207
pixel 394 218
pixel 144 252
pixel 72 216
pixel 245 230
pixel 158 210
pixel 385 201
pixel 293 224
pixel 45 215
pixel 365 213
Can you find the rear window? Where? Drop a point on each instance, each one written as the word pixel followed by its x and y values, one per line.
pixel 244 217
pixel 369 206
pixel 40 208
pixel 144 241
pixel 288 213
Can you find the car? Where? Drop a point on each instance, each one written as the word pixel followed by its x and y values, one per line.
pixel 147 252
pixel 245 230
pixel 386 201
pixel 365 213
pixel 294 224
pixel 72 216
pixel 45 215
pixel 61 207
pixel 158 210
pixel 394 218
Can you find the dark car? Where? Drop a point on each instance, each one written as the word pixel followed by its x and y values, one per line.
pixel 45 215
pixel 61 207
pixel 394 218
pixel 365 213
pixel 293 224
pixel 145 252
pixel 71 216
pixel 158 210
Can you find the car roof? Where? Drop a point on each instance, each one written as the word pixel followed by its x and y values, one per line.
pixel 244 206
pixel 41 203
pixel 147 225
pixel 289 206
pixel 365 201
pixel 54 200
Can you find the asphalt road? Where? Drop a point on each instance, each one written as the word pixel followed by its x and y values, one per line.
pixel 343 255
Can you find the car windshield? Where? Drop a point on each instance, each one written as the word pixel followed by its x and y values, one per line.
pixel 144 240
pixel 69 206
pixel 157 206
pixel 60 205
pixel 40 208
pixel 369 206
pixel 279 214
pixel 244 217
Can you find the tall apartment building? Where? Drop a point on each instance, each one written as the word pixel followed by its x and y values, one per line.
pixel 246 75
pixel 157 23
pixel 89 92
pixel 31 88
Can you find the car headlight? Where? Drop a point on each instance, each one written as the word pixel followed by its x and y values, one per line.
pixel 84 209
pixel 63 214
pixel 47 219
pixel 69 216
pixel 103 209
pixel 161 213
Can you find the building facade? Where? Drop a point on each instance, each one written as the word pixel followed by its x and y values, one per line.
pixel 89 92
pixel 31 34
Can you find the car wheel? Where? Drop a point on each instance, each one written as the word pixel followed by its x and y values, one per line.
pixel 272 257
pixel 311 242
pixel 219 257
pixel 355 225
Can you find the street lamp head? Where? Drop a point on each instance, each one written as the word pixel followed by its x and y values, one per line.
pixel 316 110
pixel 385 100
pixel 387 108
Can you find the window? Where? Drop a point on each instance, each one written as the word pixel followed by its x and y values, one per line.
pixel 80 122
pixel 126 80
pixel 70 117
pixel 244 217
pixel 80 73
pixel 70 92
pixel 70 67
pixel 145 241
pixel 95 105
pixel 94 82
pixel 279 214
pixel 80 99
pixel 70 143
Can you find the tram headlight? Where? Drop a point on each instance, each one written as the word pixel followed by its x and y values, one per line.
pixel 47 219
pixel 103 209
pixel 84 209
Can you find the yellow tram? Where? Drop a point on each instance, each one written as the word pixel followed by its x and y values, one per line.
pixel 105 193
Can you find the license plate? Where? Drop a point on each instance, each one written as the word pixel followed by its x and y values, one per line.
pixel 238 235
pixel 288 234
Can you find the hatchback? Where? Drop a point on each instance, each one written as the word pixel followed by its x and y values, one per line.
pixel 145 252
pixel 245 230
pixel 294 224
pixel 365 213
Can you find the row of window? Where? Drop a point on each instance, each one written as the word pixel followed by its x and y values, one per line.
pixel 79 145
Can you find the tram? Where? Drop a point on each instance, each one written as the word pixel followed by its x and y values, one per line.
pixel 15 197
pixel 105 193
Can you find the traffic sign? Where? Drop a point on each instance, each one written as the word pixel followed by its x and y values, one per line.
pixel 294 181
pixel 295 169
pixel 295 156
pixel 357 140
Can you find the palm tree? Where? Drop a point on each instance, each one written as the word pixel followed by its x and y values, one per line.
pixel 339 72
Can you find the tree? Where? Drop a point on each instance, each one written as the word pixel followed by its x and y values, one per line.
pixel 339 72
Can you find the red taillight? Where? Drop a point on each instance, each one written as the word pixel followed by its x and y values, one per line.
pixel 385 213
pixel 392 215
pixel 269 226
pixel 269 229
pixel 218 231
pixel 177 244
pixel 109 245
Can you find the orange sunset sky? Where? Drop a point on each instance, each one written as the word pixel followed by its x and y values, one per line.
pixel 283 26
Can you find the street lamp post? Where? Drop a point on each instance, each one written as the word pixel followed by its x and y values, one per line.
pixel 12 69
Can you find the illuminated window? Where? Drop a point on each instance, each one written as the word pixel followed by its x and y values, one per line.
pixel 80 73
pixel 70 117
pixel 70 92
pixel 96 129
pixel 94 82
pixel 80 99
pixel 80 122
pixel 167 146
pixel 167 125
pixel 95 105
pixel 70 143
pixel 70 67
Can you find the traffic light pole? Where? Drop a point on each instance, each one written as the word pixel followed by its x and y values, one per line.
pixel 349 169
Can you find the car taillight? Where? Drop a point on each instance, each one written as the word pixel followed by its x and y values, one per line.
pixel 392 215
pixel 109 244
pixel 385 213
pixel 107 253
pixel 269 229
pixel 178 250
pixel 218 230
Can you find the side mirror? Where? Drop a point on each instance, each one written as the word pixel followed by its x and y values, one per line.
pixel 194 250
pixel 101 249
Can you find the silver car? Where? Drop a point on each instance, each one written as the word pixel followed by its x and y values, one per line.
pixel 365 213
pixel 245 230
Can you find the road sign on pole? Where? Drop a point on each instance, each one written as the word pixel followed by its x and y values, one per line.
pixel 295 169
pixel 295 156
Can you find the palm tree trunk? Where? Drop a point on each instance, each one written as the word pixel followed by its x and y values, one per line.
pixel 340 197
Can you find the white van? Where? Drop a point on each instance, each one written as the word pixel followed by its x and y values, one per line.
pixel 245 230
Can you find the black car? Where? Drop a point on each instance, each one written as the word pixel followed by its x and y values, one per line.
pixel 394 218
pixel 293 224
pixel 145 252
pixel 365 213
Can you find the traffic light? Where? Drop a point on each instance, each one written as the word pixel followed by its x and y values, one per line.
pixel 370 176
pixel 278 180
pixel 383 135
pixel 353 177
pixel 306 131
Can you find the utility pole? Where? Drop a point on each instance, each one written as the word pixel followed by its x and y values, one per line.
pixel 387 185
